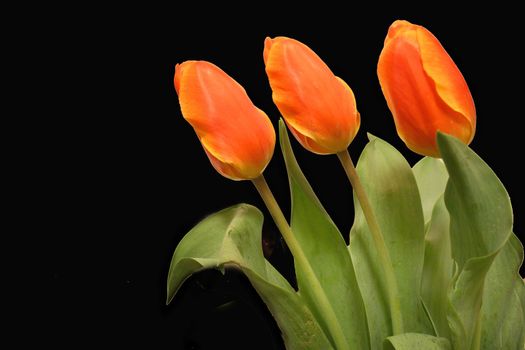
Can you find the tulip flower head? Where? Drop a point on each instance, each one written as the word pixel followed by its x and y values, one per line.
pixel 318 107
pixel 424 89
pixel 238 137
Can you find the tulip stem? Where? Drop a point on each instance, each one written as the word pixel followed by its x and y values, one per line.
pixel 302 263
pixel 377 236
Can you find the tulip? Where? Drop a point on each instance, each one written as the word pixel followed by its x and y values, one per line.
pixel 424 89
pixel 318 107
pixel 238 137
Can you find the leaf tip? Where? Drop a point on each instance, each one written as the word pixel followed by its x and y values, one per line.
pixel 169 296
pixel 446 141
pixel 371 137
pixel 282 125
pixel 283 136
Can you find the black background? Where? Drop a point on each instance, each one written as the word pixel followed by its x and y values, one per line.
pixel 122 176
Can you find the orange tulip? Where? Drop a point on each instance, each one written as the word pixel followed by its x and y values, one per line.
pixel 424 89
pixel 318 107
pixel 238 137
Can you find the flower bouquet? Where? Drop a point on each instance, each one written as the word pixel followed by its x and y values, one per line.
pixel 432 261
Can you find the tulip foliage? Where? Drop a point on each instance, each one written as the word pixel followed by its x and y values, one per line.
pixel 432 263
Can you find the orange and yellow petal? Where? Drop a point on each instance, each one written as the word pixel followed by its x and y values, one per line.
pixel 449 82
pixel 314 102
pixel 238 137
pixel 424 89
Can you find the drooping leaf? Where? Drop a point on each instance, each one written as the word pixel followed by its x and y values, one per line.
pixel 392 190
pixel 431 177
pixel 327 253
pixel 502 312
pixel 416 341
pixel 233 237
pixel 480 224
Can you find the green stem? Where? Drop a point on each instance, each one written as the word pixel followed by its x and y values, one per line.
pixel 377 236
pixel 302 262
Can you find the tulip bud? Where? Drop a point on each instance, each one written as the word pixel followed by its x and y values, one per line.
pixel 238 138
pixel 424 89
pixel 318 107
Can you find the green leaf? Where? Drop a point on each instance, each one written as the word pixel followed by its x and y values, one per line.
pixel 502 312
pixel 480 224
pixel 390 185
pixel 415 341
pixel 437 268
pixel 327 253
pixel 465 303
pixel 431 177
pixel 232 237
pixel 479 204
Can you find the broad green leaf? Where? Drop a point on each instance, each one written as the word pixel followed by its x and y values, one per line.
pixel 480 224
pixel 233 237
pixel 431 177
pixel 327 253
pixel 437 268
pixel 416 341
pixel 465 303
pixel 502 313
pixel 390 185
pixel 478 203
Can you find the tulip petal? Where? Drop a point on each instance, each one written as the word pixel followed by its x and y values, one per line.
pixel 267 46
pixel 238 137
pixel 320 111
pixel 424 89
pixel 408 96
pixel 396 28
pixel 306 141
pixel 352 106
pixel 412 94
pixel 177 77
pixel 449 82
